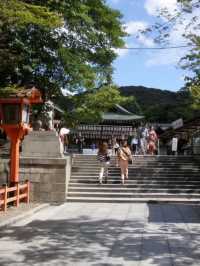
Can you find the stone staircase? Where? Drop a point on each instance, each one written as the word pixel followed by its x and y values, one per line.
pixel 151 178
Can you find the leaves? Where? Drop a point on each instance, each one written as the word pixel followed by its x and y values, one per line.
pixel 58 44
pixel 89 107
pixel 195 93
pixel 21 14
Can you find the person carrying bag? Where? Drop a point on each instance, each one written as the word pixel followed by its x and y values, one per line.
pixel 124 158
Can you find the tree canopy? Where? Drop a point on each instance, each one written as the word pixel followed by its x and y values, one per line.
pixel 88 107
pixel 58 45
pixel 187 16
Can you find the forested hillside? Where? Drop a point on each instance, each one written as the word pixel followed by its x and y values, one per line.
pixel 159 105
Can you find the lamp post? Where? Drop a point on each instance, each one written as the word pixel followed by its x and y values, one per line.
pixel 14 120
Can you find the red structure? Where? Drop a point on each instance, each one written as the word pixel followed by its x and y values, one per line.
pixel 14 119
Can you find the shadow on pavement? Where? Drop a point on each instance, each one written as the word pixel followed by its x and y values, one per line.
pixel 164 239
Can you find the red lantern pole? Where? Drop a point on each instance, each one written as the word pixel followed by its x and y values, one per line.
pixel 14 164
pixel 15 133
pixel 17 130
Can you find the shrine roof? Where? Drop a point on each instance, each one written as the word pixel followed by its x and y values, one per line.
pixel 121 117
pixel 32 94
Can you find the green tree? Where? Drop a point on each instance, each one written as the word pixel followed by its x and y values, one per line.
pixel 58 44
pixel 89 107
pixel 191 61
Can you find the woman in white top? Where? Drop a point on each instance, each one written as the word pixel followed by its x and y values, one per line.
pixel 104 158
pixel 115 148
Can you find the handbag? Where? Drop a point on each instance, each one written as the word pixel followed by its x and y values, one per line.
pixel 130 160
pixel 107 158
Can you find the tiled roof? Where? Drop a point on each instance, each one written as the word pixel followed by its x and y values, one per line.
pixel 121 117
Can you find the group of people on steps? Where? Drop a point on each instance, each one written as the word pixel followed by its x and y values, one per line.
pixel 124 157
pixel 145 141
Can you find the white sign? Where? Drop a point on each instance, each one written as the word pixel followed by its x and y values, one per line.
pixel 177 123
pixel 174 144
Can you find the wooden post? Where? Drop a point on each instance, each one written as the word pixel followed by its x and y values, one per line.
pixel 17 194
pixel 5 198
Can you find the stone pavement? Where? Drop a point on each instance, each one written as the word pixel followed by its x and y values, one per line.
pixel 105 234
pixel 14 214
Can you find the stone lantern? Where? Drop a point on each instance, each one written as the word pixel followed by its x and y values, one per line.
pixel 14 120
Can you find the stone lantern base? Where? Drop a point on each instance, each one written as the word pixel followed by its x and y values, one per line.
pixel 42 144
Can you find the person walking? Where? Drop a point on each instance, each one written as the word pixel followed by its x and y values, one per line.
pixel 79 142
pixel 152 141
pixel 66 142
pixel 144 134
pixel 104 158
pixel 124 156
pixel 115 147
pixel 134 142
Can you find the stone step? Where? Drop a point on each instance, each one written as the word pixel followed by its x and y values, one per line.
pixel 151 178
pixel 134 195
pixel 115 169
pixel 148 159
pixel 134 200
pixel 139 171
pixel 140 177
pixel 185 165
pixel 83 156
pixel 127 190
pixel 139 166
pixel 138 182
pixel 144 163
pixel 141 161
pixel 135 176
pixel 130 186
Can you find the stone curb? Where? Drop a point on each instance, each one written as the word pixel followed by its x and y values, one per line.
pixel 24 215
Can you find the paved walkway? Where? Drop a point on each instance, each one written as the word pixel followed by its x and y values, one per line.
pixel 105 234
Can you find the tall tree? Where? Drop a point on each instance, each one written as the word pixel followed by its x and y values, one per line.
pixel 186 15
pixel 58 44
pixel 88 107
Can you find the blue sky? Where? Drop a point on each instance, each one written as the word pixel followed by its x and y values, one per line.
pixel 151 68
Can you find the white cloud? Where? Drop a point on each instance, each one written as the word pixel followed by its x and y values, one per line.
pixel 176 38
pixel 160 57
pixel 132 27
pixel 147 42
pixel 153 7
pixel 165 57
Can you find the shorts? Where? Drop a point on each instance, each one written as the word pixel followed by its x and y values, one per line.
pixel 116 150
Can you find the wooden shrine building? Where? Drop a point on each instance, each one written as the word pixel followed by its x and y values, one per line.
pixel 118 123
pixel 188 136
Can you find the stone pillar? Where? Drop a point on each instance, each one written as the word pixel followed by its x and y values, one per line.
pixel 49 178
